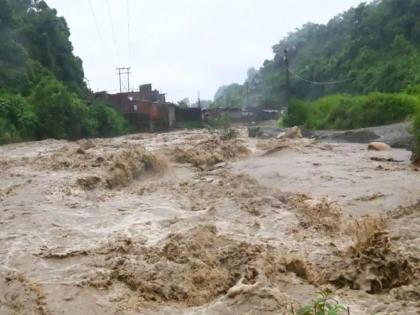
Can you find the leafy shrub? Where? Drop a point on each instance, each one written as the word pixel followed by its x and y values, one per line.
pixel 105 121
pixel 379 109
pixel 413 89
pixel 63 115
pixel 297 113
pixel 416 130
pixel 343 111
pixel 8 132
pixel 17 120
pixel 324 304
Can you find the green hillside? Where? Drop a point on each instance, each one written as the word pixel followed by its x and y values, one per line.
pixel 374 47
pixel 42 88
pixel 35 44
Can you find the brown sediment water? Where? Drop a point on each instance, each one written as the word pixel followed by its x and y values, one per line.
pixel 186 223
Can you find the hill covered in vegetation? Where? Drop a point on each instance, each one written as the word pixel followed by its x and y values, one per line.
pixel 374 47
pixel 42 88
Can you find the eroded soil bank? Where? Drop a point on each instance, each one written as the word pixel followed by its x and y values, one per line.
pixel 187 223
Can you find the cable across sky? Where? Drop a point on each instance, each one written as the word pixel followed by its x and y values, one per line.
pixel 319 83
pixel 128 31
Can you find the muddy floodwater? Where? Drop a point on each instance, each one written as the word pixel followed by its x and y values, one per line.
pixel 191 223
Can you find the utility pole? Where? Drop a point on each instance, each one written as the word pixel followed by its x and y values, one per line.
pixel 119 76
pixel 199 100
pixel 286 61
pixel 124 71
pixel 247 93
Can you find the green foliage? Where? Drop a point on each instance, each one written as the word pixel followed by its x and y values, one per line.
pixel 342 111
pixel 297 113
pixel 324 304
pixel 37 61
pixel 61 114
pixel 232 96
pixel 105 121
pixel 52 111
pixel 17 120
pixel 280 122
pixel 374 47
pixel 413 89
pixel 35 42
pixel 416 131
pixel 183 103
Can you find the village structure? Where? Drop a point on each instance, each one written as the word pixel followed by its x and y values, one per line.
pixel 148 110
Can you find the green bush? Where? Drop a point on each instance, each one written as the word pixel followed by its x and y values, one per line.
pixel 297 113
pixel 324 304
pixel 416 130
pixel 17 120
pixel 8 132
pixel 63 115
pixel 105 121
pixel 343 111
pixel 380 109
pixel 413 89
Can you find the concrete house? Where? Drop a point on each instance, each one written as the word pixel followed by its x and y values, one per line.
pixel 146 108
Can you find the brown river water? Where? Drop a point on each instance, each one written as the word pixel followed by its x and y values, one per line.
pixel 187 223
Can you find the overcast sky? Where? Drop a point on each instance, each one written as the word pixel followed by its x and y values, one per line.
pixel 184 46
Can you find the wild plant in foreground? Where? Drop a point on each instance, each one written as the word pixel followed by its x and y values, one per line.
pixel 324 304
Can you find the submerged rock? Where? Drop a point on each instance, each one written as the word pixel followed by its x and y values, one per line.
pixel 378 146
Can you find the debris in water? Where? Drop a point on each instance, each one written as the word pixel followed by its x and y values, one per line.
pixel 291 133
pixel 378 146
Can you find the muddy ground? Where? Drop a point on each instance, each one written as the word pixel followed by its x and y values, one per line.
pixel 187 223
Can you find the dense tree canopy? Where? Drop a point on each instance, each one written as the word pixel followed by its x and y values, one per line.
pixel 35 43
pixel 42 88
pixel 374 47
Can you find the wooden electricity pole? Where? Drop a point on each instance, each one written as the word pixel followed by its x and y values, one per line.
pixel 247 93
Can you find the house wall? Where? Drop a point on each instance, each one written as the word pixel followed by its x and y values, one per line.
pixel 234 115
pixel 188 114
pixel 172 116
pixel 144 107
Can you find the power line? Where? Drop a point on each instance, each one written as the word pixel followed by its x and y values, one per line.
pixel 92 11
pixel 319 83
pixel 111 21
pixel 128 31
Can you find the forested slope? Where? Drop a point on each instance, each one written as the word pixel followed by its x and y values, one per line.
pixel 374 47
pixel 42 88
pixel 35 44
